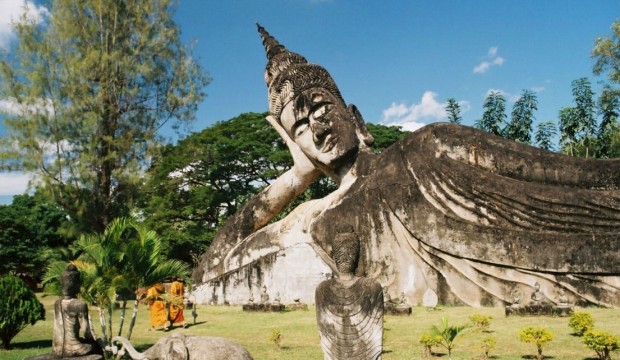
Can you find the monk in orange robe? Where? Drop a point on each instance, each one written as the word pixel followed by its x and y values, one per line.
pixel 157 307
pixel 177 290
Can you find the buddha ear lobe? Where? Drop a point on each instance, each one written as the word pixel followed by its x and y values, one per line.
pixel 360 124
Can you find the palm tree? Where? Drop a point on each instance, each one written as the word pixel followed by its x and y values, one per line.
pixel 122 259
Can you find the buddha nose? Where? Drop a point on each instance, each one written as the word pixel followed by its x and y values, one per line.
pixel 320 131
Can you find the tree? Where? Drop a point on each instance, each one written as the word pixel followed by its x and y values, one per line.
pixel 569 124
pixel 123 258
pixel 454 111
pixel 448 334
pixel 609 106
pixel 520 125
pixel 578 123
pixel 606 53
pixel 19 307
pixel 89 90
pixel 30 228
pixel 494 114
pixel 544 133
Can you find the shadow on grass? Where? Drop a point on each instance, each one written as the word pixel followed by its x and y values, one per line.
pixel 535 357
pixel 32 344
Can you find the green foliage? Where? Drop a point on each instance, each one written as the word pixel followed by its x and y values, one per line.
pixel 545 131
pixel 30 228
pixel 581 322
pixel 520 125
pixel 481 322
pixel 90 88
pixel 454 111
pixel 126 256
pixel 448 334
pixel 606 53
pixel 487 344
pixel 609 128
pixel 276 337
pixel 385 136
pixel 18 308
pixel 603 343
pixel 494 115
pixel 578 124
pixel 428 340
pixel 538 336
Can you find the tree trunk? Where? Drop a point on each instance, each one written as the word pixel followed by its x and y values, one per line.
pixel 122 321
pixel 132 323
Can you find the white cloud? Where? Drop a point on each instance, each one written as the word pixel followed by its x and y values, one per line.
pixel 492 60
pixel 418 114
pixel 40 106
pixel 13 183
pixel 538 89
pixel 508 96
pixel 12 11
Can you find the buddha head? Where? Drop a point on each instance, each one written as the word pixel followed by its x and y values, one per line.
pixel 70 281
pixel 305 101
pixel 346 252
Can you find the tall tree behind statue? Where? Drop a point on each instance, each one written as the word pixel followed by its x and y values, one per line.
pixel 89 89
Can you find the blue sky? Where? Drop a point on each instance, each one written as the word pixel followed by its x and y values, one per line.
pixel 398 61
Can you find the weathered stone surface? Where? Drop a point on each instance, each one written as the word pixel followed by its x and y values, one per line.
pixel 349 309
pixel 54 357
pixel 470 215
pixel 188 347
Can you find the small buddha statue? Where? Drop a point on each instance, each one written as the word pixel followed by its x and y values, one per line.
pixel 71 319
pixel 349 309
pixel 251 299
pixel 537 296
pixel 562 299
pixel 276 301
pixel 403 301
pixel 264 297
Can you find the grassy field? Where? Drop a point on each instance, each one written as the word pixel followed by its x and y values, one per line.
pixel 300 339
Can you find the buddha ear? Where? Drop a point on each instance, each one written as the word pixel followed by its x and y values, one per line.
pixel 362 131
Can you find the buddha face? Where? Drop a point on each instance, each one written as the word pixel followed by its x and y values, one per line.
pixel 321 125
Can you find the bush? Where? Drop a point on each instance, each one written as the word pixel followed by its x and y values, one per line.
pixel 581 322
pixel 18 307
pixel 429 340
pixel 603 343
pixel 481 322
pixel 487 344
pixel 538 336
pixel 276 337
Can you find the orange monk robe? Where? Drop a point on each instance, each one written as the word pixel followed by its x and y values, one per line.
pixel 157 306
pixel 176 311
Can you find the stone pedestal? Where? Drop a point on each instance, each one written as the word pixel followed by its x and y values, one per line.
pixel 263 307
pixel 398 310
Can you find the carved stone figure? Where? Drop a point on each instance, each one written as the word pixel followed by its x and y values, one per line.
pixel 264 296
pixel 466 213
pixel 349 309
pixel 186 347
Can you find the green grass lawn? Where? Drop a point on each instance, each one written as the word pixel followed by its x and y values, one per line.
pixel 300 339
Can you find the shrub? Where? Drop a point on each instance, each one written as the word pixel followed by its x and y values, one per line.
pixel 18 307
pixel 538 336
pixel 487 344
pixel 447 334
pixel 276 337
pixel 429 340
pixel 603 343
pixel 481 322
pixel 581 322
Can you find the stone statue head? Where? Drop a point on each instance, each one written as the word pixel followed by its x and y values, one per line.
pixel 70 281
pixel 346 252
pixel 305 101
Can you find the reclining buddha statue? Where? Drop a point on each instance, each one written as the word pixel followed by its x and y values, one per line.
pixel 469 215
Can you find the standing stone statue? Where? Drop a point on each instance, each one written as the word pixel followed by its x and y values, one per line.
pixel 349 309
pixel 71 320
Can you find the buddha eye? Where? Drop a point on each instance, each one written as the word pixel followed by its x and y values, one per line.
pixel 320 112
pixel 300 127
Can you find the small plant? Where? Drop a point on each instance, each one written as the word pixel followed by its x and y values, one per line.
pixel 276 337
pixel 487 344
pixel 19 307
pixel 581 322
pixel 447 333
pixel 481 322
pixel 603 343
pixel 539 336
pixel 429 340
